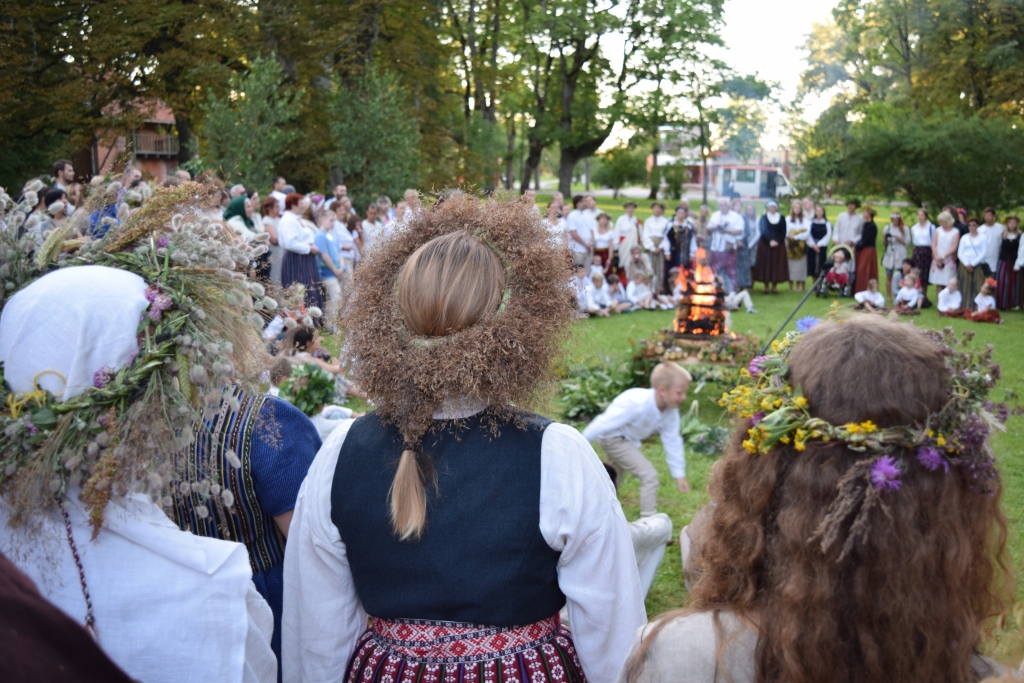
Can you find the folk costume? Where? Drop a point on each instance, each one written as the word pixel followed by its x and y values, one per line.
pixel 273 443
pixel 867 257
pixel 921 236
pixel 521 517
pixel 771 266
pixel 680 242
pixel 1009 279
pixel 81 513
pixel 971 252
pixel 819 234
pixel 943 267
pixel 296 236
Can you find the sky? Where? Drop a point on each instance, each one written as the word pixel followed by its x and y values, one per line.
pixel 766 37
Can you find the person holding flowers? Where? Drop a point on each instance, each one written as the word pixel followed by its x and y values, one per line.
pixel 853 535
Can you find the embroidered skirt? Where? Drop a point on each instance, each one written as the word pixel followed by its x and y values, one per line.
pixel 867 268
pixel 771 266
pixel 411 651
pixel 1009 286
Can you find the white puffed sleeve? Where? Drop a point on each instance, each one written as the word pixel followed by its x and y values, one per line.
pixel 580 517
pixel 322 618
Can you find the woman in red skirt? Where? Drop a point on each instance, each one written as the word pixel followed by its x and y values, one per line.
pixel 867 252
pixel 459 523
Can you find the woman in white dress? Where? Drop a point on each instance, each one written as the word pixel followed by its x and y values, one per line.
pixel 797 229
pixel 944 247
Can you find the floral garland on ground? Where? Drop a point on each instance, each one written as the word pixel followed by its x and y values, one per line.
pixel 199 336
pixel 955 438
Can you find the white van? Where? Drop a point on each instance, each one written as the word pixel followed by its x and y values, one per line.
pixel 753 182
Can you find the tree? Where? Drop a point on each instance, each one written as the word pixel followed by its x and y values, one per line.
pixel 249 132
pixel 375 139
pixel 621 166
pixel 946 157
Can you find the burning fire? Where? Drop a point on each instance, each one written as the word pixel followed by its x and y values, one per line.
pixel 701 297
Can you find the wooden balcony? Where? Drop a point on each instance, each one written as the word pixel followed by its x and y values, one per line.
pixel 155 145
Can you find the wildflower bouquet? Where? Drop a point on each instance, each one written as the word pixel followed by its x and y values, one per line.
pixel 309 388
pixel 955 438
pixel 199 336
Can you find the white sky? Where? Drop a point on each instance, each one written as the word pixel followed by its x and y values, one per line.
pixel 766 37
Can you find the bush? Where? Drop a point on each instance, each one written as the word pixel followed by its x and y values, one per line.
pixel 309 388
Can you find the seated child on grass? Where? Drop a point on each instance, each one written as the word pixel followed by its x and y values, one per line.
pixel 950 300
pixel 986 305
pixel 640 294
pixel 839 275
pixel 870 299
pixel 908 301
pixel 598 301
pixel 617 295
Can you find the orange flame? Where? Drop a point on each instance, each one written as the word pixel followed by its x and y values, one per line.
pixel 703 295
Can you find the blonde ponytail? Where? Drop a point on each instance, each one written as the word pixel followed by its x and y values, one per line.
pixel 408 498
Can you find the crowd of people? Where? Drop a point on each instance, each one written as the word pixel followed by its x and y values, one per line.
pixel 974 263
pixel 450 535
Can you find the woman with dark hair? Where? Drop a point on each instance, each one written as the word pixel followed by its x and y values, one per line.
pixel 874 556
pixel 300 263
pixel 818 236
pixel 268 266
pixel 867 251
pixel 921 235
pixel 458 522
pixel 973 270
pixel 1009 279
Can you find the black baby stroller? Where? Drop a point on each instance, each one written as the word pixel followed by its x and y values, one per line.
pixel 825 288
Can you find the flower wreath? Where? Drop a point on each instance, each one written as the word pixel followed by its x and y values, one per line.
pixel 953 439
pixel 500 360
pixel 199 336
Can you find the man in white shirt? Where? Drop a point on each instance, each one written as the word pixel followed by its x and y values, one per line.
pixel 993 232
pixel 581 234
pixel 726 227
pixel 373 229
pixel 63 178
pixel 849 225
pixel 627 230
pixel 636 414
pixel 278 192
pixel 339 192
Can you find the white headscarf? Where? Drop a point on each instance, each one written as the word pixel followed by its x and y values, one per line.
pixel 60 330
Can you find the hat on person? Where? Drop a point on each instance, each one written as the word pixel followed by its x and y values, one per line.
pixel 771 202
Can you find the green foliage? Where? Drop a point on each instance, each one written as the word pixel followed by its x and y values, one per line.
pixel 248 132
pixel 675 177
pixel 590 387
pixel 621 166
pixel 376 139
pixel 309 388
pixel 946 157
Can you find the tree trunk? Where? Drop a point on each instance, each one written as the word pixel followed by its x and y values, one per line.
pixel 536 177
pixel 532 165
pixel 510 161
pixel 185 151
pixel 704 174
pixel 566 165
pixel 586 174
pixel 655 176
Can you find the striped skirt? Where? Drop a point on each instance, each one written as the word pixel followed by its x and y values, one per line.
pixel 1009 286
pixel 411 651
pixel 303 268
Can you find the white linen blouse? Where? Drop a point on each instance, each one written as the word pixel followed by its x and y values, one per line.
pixel 293 234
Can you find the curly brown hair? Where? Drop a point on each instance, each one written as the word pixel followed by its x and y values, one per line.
pixel 412 366
pixel 908 603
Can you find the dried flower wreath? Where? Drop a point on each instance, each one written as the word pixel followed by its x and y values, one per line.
pixel 199 336
pixel 955 439
pixel 500 360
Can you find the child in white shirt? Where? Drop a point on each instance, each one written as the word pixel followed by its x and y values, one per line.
pixel 950 300
pixel 871 299
pixel 597 268
pixel 986 303
pixel 636 414
pixel 578 282
pixel 908 301
pixel 640 294
pixel 598 302
pixel 620 303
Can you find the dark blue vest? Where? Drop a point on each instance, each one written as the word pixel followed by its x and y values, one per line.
pixel 482 558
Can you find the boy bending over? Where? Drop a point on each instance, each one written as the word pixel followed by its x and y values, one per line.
pixel 636 414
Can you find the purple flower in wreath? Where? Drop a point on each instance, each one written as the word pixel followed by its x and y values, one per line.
pixel 885 474
pixel 158 304
pixel 757 417
pixel 756 366
pixel 102 377
pixel 162 242
pixel 32 429
pixel 931 459
pixel 152 292
pixel 806 324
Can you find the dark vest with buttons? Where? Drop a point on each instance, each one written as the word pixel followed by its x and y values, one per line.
pixel 482 558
